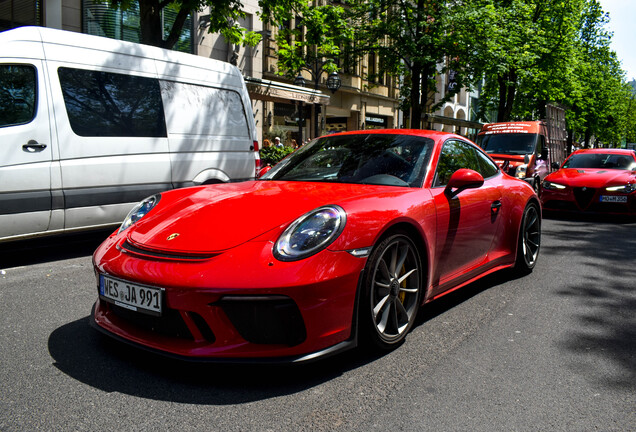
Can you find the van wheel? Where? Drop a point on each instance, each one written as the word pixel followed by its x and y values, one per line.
pixel 391 296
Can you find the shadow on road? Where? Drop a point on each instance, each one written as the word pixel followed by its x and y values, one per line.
pixel 606 313
pixel 87 356
pixel 48 249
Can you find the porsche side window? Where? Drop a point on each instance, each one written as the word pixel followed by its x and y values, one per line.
pixel 455 155
pixel 108 104
pixel 17 94
pixel 487 167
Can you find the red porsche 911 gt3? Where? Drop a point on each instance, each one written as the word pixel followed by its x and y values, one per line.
pixel 339 243
pixel 593 181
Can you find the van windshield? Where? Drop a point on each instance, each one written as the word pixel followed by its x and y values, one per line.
pixel 509 143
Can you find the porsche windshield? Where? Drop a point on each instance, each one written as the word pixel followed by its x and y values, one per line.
pixel 508 143
pixel 600 160
pixel 383 159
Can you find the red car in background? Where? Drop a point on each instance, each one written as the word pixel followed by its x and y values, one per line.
pixel 593 181
pixel 339 243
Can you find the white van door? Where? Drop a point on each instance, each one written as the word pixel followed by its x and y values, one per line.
pixel 113 141
pixel 26 149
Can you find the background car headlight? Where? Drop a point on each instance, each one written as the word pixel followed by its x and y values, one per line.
pixel 140 210
pixel 310 233
pixel 622 188
pixel 521 171
pixel 552 186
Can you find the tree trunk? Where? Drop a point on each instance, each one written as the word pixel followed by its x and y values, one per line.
pixel 507 92
pixel 150 23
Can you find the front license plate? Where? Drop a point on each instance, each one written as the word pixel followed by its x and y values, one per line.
pixel 614 198
pixel 140 298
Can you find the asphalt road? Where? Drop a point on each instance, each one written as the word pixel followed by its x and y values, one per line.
pixel 552 351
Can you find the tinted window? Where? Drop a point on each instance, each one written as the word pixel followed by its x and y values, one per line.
pixel 107 104
pixel 487 167
pixel 601 161
pixel 455 155
pixel 508 143
pixel 17 94
pixel 382 159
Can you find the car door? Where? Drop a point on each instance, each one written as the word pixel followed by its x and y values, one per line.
pixel 26 149
pixel 467 222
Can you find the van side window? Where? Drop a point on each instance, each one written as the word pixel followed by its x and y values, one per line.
pixel 17 94
pixel 108 104
pixel 213 111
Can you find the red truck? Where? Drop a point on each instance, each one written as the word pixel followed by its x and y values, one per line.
pixel 528 150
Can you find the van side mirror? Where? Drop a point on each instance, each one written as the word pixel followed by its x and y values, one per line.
pixel 462 179
pixel 555 165
pixel 526 159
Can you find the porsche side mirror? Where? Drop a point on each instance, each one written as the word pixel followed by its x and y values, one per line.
pixel 462 179
pixel 263 170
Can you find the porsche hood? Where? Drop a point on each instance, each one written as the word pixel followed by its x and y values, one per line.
pixel 213 219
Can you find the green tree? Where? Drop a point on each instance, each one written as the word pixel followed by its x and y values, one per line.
pixel 598 96
pixel 414 42
pixel 522 49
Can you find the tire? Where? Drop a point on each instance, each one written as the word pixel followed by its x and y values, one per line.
pixel 529 241
pixel 392 291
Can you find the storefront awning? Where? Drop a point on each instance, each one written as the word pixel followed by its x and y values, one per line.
pixel 275 91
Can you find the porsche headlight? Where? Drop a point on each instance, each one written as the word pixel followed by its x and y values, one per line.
pixel 552 186
pixel 139 211
pixel 628 188
pixel 310 233
pixel 521 171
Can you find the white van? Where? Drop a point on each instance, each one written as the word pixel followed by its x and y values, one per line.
pixel 89 126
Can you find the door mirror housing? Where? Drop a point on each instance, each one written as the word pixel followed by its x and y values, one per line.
pixel 463 179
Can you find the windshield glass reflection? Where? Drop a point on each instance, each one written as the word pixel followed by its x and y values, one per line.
pixel 383 159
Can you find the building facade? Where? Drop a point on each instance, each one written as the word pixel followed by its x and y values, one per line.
pixel 280 107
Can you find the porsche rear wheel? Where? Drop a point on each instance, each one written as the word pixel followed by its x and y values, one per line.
pixel 392 291
pixel 529 241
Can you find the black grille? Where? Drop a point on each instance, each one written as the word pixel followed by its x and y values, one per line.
pixel 169 324
pixel 265 320
pixel 584 196
pixel 129 247
pixel 560 205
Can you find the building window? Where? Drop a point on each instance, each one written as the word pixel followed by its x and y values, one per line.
pixel 17 13
pixel 101 19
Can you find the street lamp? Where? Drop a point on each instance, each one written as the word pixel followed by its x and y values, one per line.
pixel 333 83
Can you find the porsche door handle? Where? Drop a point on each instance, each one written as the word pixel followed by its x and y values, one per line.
pixel 495 207
pixel 33 147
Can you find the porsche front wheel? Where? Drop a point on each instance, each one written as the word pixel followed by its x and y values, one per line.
pixel 392 291
pixel 529 241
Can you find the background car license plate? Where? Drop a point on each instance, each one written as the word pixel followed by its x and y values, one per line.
pixel 614 198
pixel 131 296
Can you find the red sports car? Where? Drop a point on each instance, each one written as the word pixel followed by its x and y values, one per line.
pixel 593 181
pixel 339 243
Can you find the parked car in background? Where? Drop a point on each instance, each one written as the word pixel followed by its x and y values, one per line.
pixel 89 126
pixel 361 229
pixel 593 181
